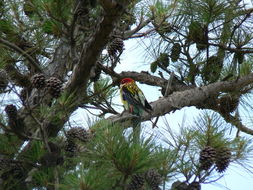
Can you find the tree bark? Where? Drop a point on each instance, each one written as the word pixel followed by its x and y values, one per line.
pixel 191 97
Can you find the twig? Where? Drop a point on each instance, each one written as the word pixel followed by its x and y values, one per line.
pixel 167 92
pixel 235 121
pixel 237 26
pixel 143 34
pixel 114 60
pixel 155 122
pixel 168 87
pixel 42 128
pixel 142 24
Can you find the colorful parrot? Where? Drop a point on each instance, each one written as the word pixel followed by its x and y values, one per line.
pixel 133 98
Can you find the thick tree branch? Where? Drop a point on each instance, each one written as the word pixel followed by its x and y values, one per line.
pixel 58 66
pixel 192 97
pixel 88 57
pixel 146 78
pixel 93 48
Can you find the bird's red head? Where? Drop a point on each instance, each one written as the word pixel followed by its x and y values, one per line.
pixel 126 80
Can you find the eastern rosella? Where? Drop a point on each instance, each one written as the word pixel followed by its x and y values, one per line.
pixel 133 98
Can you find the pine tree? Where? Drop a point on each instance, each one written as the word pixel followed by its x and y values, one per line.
pixel 63 58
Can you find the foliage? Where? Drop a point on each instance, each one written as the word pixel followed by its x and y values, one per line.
pixel 208 130
pixel 61 58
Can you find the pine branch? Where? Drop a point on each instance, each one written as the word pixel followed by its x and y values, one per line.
pixel 92 49
pixel 235 50
pixel 57 66
pixel 145 77
pixel 168 87
pixel 133 33
pixel 186 98
pixel 22 52
pixel 237 123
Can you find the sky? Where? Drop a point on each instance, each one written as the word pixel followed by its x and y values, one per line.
pixel 235 178
pixel 134 59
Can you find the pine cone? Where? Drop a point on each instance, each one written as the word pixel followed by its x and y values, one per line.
pixel 163 28
pixel 223 156
pixel 175 52
pixel 207 157
pixel 202 38
pixel 70 148
pixel 3 80
pixel 115 47
pixel 153 66
pixel 54 86
pixel 136 183
pixel 15 122
pixel 212 69
pixel 78 133
pixel 11 111
pixel 153 178
pixel 38 81
pixel 198 33
pixel 164 59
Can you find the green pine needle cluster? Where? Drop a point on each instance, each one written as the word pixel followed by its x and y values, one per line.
pixel 112 157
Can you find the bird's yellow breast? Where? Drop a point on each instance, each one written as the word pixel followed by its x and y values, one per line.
pixel 132 87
